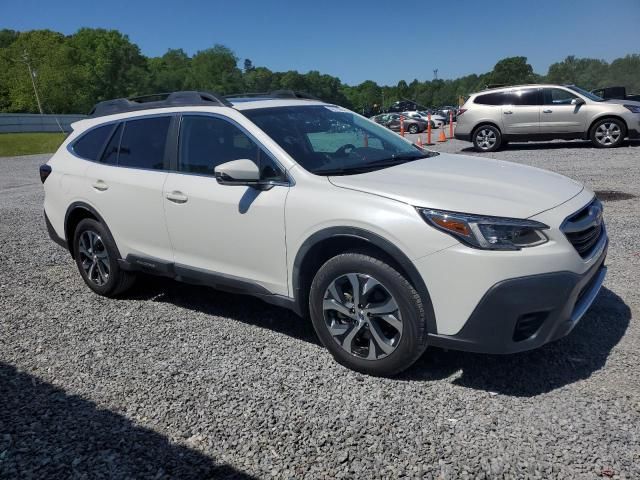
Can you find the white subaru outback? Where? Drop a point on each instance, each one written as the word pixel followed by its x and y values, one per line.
pixel 389 248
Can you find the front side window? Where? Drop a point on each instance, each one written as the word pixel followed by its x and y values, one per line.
pixel 207 141
pixel 143 143
pixel 329 140
pixel 90 144
pixel 558 96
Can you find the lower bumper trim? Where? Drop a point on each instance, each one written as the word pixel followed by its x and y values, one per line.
pixel 559 300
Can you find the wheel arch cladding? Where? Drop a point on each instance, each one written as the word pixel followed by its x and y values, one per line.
pixel 77 212
pixel 327 243
pixel 485 124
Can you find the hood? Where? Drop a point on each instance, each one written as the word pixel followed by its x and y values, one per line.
pixel 461 183
pixel 623 102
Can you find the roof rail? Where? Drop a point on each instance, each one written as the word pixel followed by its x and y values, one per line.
pixel 275 94
pixel 158 100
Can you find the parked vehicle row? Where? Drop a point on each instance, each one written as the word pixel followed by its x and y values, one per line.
pixel 392 122
pixel 492 118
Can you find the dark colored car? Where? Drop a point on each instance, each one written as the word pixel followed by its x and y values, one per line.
pixel 392 122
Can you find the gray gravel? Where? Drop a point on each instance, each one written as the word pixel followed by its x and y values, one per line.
pixel 180 381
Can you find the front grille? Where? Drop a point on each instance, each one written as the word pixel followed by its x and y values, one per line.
pixel 585 228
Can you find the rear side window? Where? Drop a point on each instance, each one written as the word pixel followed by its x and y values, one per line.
pixel 530 96
pixel 497 98
pixel 90 144
pixel 110 155
pixel 143 143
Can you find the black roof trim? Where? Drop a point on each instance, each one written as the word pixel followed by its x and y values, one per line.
pixel 158 100
pixel 275 94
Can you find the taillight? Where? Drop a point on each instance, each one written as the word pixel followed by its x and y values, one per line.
pixel 45 171
pixel 461 111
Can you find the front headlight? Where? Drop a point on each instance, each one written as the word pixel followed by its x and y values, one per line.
pixel 488 233
pixel 633 108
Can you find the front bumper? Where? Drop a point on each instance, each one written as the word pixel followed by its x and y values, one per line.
pixel 525 313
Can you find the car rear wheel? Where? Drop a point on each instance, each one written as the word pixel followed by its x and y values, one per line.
pixel 413 128
pixel 608 133
pixel 96 256
pixel 367 315
pixel 487 138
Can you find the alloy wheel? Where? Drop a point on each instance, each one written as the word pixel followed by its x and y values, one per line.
pixel 486 139
pixel 94 257
pixel 362 316
pixel 608 133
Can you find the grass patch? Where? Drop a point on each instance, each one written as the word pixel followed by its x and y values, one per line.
pixel 14 144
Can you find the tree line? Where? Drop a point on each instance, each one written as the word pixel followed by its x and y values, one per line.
pixel 73 72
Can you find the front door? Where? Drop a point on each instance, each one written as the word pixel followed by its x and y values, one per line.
pixel 236 232
pixel 559 115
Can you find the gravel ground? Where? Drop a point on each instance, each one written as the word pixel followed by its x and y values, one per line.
pixel 176 381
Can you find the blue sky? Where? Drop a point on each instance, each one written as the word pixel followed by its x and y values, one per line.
pixel 385 41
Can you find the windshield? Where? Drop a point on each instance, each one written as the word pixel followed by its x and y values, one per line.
pixel 589 95
pixel 330 140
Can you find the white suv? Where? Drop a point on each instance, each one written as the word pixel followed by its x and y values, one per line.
pixel 389 248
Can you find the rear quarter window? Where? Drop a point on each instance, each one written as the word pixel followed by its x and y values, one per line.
pixel 90 145
pixel 497 98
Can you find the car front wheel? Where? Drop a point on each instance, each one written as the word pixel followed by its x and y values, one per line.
pixel 608 133
pixel 367 315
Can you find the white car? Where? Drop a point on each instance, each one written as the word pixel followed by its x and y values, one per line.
pixel 389 248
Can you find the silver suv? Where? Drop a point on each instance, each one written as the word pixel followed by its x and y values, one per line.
pixel 492 118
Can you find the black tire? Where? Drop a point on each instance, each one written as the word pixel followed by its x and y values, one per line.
pixel 413 336
pixel 608 133
pixel 413 128
pixel 486 138
pixel 103 255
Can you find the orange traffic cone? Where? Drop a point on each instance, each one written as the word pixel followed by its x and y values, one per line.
pixel 420 141
pixel 442 137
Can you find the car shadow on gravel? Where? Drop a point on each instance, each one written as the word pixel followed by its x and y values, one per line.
pixel 47 433
pixel 575 357
pixel 242 308
pixel 552 145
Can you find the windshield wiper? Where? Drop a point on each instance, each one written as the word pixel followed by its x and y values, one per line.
pixel 368 167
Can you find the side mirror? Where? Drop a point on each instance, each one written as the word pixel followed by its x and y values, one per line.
pixel 237 172
pixel 577 101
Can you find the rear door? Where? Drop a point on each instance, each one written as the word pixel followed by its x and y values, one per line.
pixel 558 115
pixel 521 112
pixel 125 186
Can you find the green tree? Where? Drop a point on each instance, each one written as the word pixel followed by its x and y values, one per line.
pixel 109 65
pixel 215 69
pixel 170 72
pixel 512 71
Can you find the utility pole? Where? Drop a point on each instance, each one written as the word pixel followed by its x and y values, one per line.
pixel 32 73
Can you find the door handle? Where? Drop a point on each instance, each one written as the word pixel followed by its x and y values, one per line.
pixel 177 197
pixel 508 112
pixel 100 185
pixel 547 111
